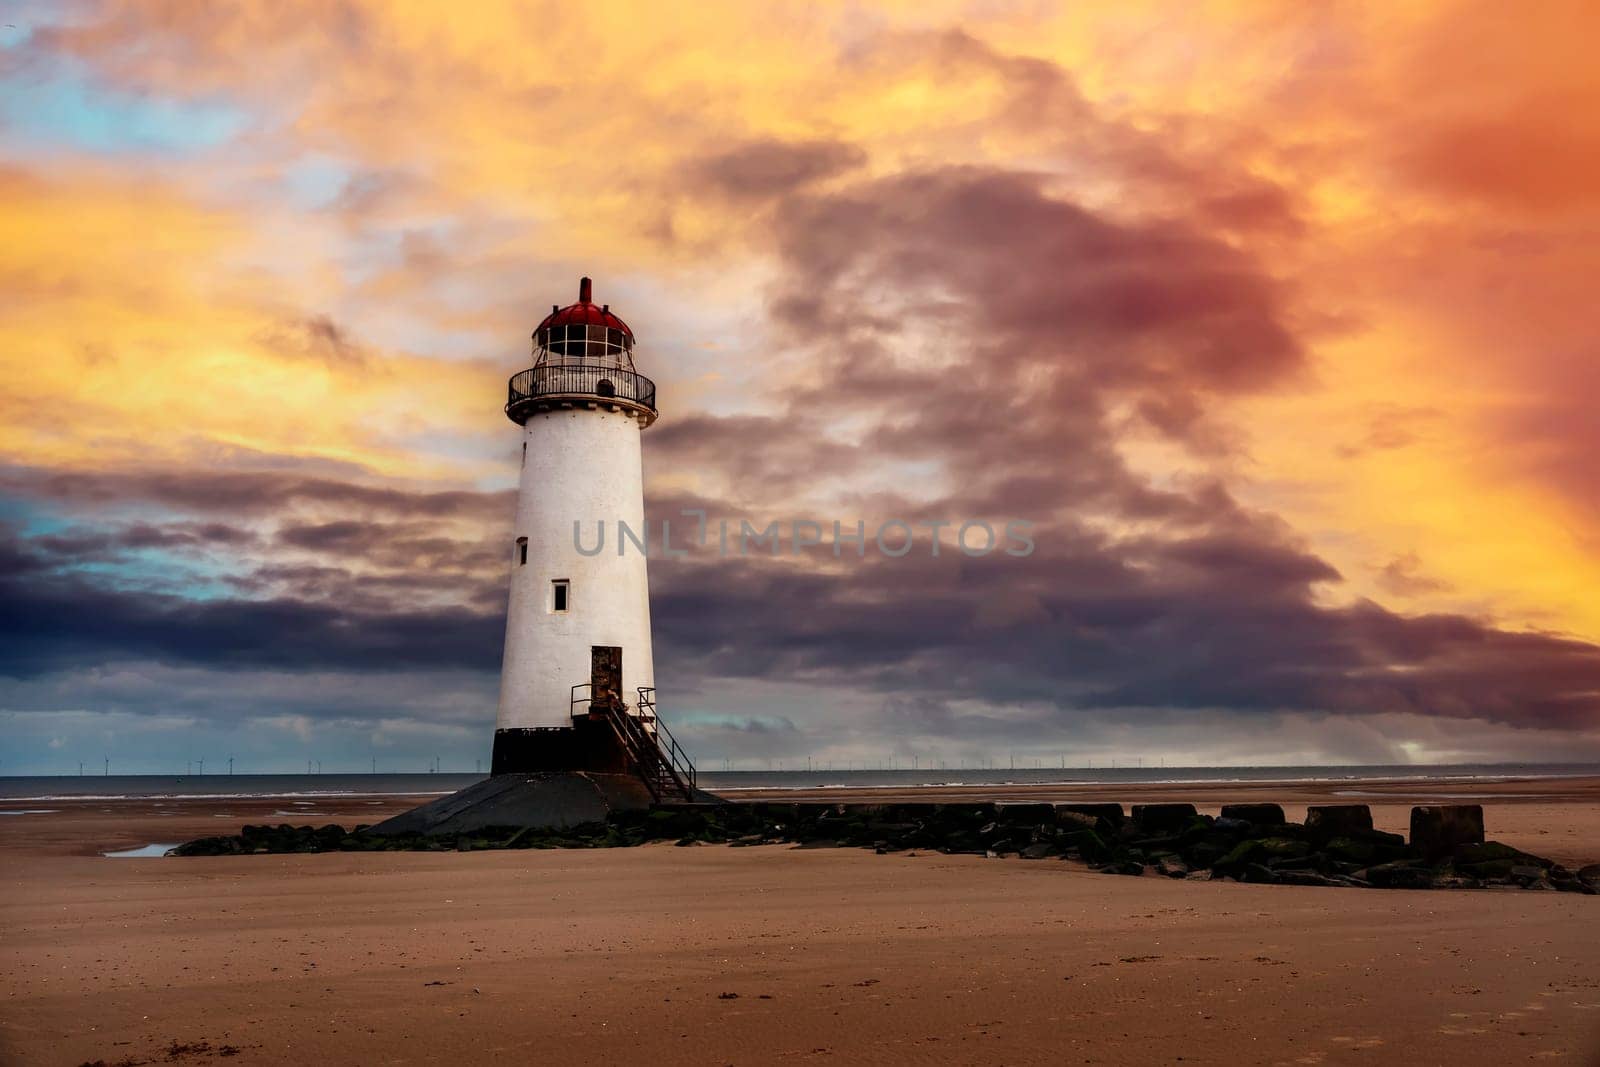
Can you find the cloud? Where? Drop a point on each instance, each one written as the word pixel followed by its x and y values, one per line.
pixel 762 170
pixel 64 624
pixel 249 492
pixel 1403 576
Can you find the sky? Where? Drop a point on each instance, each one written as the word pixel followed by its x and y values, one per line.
pixel 1274 320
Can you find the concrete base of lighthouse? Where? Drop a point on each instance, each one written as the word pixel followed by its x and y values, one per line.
pixel 586 745
pixel 553 799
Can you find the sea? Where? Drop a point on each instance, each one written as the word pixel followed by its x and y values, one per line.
pixel 223 786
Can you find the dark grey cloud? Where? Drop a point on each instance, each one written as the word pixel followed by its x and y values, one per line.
pixel 1216 623
pixel 90 544
pixel 246 492
pixel 761 170
pixel 318 338
pixel 60 623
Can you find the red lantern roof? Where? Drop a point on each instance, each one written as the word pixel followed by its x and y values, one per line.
pixel 584 313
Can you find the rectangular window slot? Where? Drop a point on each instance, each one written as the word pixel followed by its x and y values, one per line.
pixel 522 551
pixel 560 594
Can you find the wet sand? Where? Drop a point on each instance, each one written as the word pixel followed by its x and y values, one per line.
pixel 775 955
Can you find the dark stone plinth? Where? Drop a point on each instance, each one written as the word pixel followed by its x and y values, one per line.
pixel 1258 814
pixel 1438 830
pixel 1024 813
pixel 1325 821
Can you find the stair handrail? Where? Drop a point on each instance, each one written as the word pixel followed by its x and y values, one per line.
pixel 675 753
pixel 643 745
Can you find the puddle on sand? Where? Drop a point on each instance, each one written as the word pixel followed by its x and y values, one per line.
pixel 155 851
pixel 31 811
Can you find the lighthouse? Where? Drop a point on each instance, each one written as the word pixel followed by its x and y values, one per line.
pixel 578 736
pixel 577 681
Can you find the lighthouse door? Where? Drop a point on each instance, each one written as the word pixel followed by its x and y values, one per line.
pixel 605 679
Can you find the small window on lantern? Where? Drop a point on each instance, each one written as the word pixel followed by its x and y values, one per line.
pixel 522 551
pixel 560 594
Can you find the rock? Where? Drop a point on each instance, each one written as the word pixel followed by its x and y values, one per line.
pixel 1109 812
pixel 1075 820
pixel 1255 872
pixel 1455 881
pixel 1202 827
pixel 209 846
pixel 962 843
pixel 1438 830
pixel 1129 867
pixel 1260 852
pixel 1091 846
pixel 1338 820
pixel 1590 875
pixel 1163 818
pixel 1156 844
pixel 1400 875
pixel 1493 854
pixel 1488 869
pixel 1256 814
pixel 1241 854
pixel 1206 852
pixel 1351 850
pixel 1565 881
pixel 1172 867
pixel 1310 878
pixel 1040 851
pixel 1528 876
pixel 1367 848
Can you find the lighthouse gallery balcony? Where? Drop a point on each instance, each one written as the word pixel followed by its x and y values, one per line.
pixel 578 383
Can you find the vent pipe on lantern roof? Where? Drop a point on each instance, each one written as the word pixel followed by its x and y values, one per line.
pixel 585 290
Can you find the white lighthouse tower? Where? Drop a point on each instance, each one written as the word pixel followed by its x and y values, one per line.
pixel 577 680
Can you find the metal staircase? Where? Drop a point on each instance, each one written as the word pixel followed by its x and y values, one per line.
pixel 653 753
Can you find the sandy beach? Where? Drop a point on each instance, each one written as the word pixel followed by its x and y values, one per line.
pixel 774 954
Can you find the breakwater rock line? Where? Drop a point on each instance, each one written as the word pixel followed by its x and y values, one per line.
pixel 1335 846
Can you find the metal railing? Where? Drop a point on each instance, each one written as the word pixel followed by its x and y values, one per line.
pixel 661 761
pixel 581 381
pixel 673 751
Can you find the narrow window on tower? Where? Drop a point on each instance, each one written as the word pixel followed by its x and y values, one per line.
pixel 522 551
pixel 560 594
pixel 524 453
